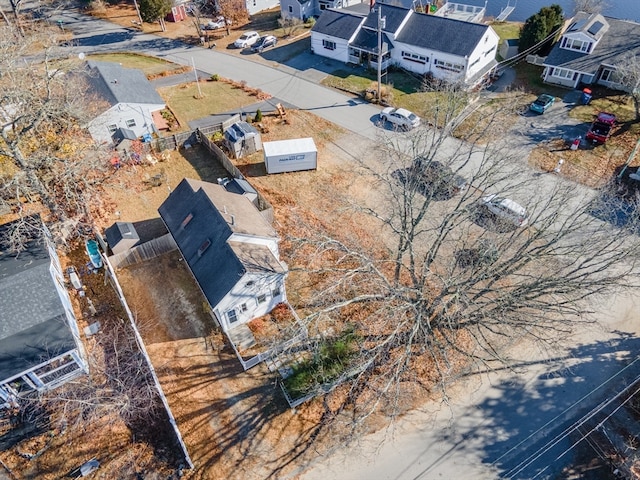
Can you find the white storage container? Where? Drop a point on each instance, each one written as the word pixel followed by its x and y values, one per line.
pixel 290 155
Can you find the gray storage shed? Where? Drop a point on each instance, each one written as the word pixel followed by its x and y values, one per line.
pixel 121 236
pixel 242 139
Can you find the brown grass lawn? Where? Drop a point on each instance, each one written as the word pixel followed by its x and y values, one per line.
pixel 217 97
pixel 151 66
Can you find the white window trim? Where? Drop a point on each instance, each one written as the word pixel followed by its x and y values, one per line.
pixel 328 44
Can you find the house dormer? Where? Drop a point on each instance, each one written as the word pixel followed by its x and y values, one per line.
pixel 584 33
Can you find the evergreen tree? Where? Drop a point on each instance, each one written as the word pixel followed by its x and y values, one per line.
pixel 540 26
pixel 154 10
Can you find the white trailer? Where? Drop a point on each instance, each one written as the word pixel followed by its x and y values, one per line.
pixel 290 155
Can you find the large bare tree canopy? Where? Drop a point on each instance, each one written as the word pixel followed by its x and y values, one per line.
pixel 47 161
pixel 446 285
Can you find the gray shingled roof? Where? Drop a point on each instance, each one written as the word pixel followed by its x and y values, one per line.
pixel 121 231
pixel 442 34
pixel 393 15
pixel 337 23
pixel 33 326
pixel 122 85
pixel 621 39
pixel 367 40
pixel 216 214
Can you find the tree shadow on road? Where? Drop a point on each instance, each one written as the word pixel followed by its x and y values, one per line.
pixel 529 426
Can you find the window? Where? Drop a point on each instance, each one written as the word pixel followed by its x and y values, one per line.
pixel 564 73
pixel 276 291
pixel 608 75
pixel 232 316
pixel 290 9
pixel 206 244
pixel 131 123
pixel 571 44
pixel 112 128
pixel 186 220
pixel 452 67
pixel 329 45
pixel 261 298
pixel 414 57
pixel 243 307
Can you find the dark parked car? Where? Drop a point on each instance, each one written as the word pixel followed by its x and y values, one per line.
pixel 602 127
pixel 264 42
pixel 437 179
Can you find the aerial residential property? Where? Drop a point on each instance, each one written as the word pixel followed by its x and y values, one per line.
pixel 40 347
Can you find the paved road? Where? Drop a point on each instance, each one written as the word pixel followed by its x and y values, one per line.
pixel 493 413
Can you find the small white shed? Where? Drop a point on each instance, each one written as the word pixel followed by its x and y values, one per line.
pixel 290 155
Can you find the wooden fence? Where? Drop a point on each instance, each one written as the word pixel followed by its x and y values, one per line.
pixel 263 206
pixel 116 286
pixel 140 253
pixel 192 137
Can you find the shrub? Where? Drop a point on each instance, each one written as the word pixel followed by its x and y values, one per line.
pixel 311 21
pixel 258 115
pixel 215 77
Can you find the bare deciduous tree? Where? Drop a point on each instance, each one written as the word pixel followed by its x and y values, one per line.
pixel 47 158
pixel 589 6
pixel 628 75
pixel 289 25
pixel 445 285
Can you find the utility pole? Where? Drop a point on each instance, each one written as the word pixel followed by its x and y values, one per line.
pixel 381 24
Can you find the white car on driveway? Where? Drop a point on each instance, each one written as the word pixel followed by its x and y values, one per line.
pixel 400 118
pixel 506 210
pixel 246 39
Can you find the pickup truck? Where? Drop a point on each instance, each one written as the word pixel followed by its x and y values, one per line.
pixel 602 127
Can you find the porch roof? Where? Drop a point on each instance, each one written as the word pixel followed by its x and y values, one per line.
pixel 367 40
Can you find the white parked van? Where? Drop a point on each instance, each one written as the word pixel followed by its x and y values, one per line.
pixel 506 209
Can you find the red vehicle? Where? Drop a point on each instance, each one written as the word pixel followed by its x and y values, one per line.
pixel 602 127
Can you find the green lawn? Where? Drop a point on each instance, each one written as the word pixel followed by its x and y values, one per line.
pixel 620 105
pixel 507 30
pixel 217 97
pixel 149 65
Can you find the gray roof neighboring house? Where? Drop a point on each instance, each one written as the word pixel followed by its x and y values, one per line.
pixel 122 85
pixel 394 16
pixel 443 34
pixel 33 325
pixel 201 217
pixel 620 39
pixel 338 23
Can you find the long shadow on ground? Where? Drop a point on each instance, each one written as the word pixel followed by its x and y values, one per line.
pixel 529 427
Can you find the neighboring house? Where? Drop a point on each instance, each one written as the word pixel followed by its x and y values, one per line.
pixel 446 48
pixel 130 97
pixel 230 248
pixel 40 347
pixel 589 50
pixel 304 9
pixel 256 6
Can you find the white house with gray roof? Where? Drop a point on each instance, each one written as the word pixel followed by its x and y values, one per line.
pixel 589 50
pixel 230 248
pixel 445 48
pixel 40 347
pixel 130 98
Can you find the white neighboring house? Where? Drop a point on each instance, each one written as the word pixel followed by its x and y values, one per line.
pixel 230 248
pixel 130 97
pixel 446 48
pixel 40 346
pixel 589 50
pixel 255 6
pixel 303 9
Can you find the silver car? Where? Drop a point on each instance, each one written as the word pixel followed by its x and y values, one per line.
pixel 246 40
pixel 506 209
pixel 400 118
